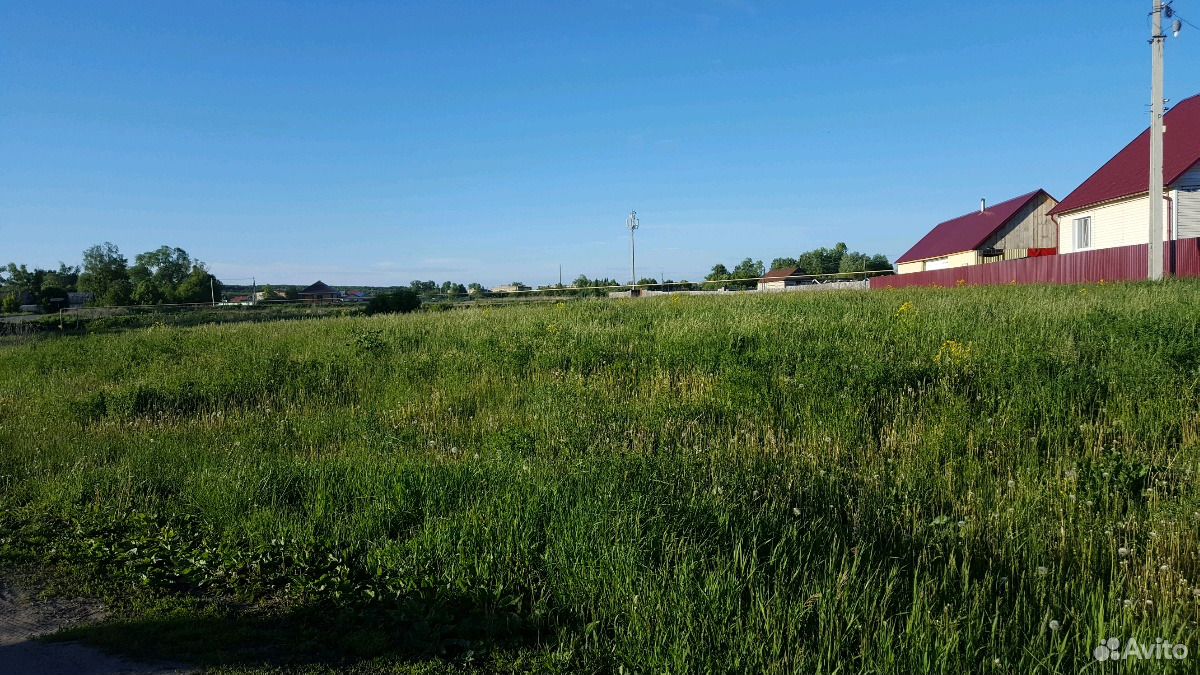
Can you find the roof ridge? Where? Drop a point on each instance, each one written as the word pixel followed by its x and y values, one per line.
pixel 1023 198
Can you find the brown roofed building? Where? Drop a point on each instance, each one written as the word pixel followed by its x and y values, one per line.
pixel 779 279
pixel 320 292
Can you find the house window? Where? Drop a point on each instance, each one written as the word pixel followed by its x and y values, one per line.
pixel 1083 233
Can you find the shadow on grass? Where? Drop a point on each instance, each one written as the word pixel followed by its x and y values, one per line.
pixel 318 637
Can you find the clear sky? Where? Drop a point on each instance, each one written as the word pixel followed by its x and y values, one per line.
pixel 380 142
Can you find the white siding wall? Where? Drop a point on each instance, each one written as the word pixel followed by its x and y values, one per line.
pixel 1187 204
pixel 1115 224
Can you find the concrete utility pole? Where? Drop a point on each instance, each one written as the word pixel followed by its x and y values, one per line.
pixel 632 224
pixel 1154 268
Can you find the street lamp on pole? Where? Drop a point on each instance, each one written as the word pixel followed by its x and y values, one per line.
pixel 633 224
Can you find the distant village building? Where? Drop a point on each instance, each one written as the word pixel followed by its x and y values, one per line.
pixel 319 292
pixel 1018 228
pixel 511 288
pixel 1111 208
pixel 780 279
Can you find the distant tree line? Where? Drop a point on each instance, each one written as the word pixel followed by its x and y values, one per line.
pixel 164 275
pixel 169 275
pixel 819 261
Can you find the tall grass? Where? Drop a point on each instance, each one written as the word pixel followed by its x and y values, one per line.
pixel 966 480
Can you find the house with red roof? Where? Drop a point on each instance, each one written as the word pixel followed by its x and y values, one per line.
pixel 1020 227
pixel 780 279
pixel 1111 207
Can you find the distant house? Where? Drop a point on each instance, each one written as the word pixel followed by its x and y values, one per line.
pixel 511 288
pixel 1018 228
pixel 319 292
pixel 1111 208
pixel 355 296
pixel 780 279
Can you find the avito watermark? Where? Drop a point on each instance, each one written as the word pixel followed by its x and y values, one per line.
pixel 1112 650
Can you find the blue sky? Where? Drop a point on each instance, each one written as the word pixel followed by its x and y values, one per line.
pixel 379 142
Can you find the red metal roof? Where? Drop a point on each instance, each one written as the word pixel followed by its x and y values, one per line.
pixel 967 233
pixel 1128 173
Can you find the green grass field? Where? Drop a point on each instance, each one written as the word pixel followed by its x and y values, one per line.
pixel 959 480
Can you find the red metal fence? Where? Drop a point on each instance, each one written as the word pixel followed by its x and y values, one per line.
pixel 1122 263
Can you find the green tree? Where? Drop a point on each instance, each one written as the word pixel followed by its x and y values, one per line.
pixel 749 271
pixel 853 262
pixel 822 260
pixel 12 303
pixel 22 281
pixel 200 286
pixel 65 277
pixel 836 260
pixel 879 263
pixel 597 287
pixel 158 274
pixel 401 302
pixel 719 273
pixel 105 274
pixel 169 275
pixel 53 298
pixel 778 263
pixel 119 293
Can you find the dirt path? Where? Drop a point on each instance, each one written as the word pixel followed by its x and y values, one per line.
pixel 24 618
